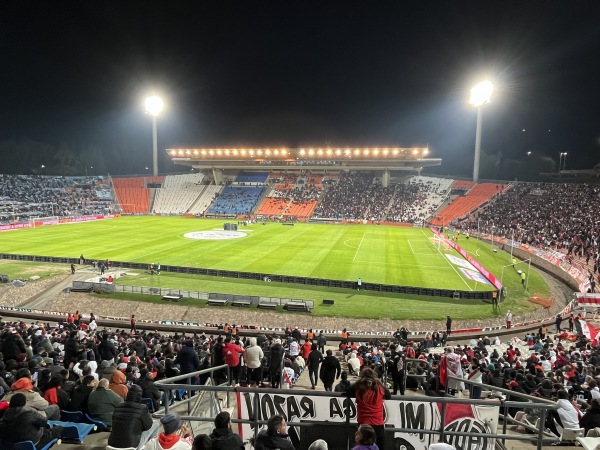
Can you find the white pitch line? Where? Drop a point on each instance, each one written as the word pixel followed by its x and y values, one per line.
pixel 452 265
pixel 410 245
pixel 361 241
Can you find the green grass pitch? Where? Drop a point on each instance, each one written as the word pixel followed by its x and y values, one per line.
pixel 378 254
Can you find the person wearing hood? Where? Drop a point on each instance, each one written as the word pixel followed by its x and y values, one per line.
pixel 365 438
pixel 117 384
pixel 253 356
pixel 275 436
pixel 130 420
pixel 169 439
pixel 23 385
pixel 23 423
pixel 102 402
pixel 222 436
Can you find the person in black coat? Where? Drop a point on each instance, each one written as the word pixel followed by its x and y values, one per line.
pixel 149 389
pixel 107 350
pixel 276 354
pixel 12 345
pixel 188 360
pixel 591 418
pixel 79 399
pixel 222 436
pixel 315 357
pixel 22 423
pixel 72 349
pixel 129 420
pixel 330 370
pixel 275 436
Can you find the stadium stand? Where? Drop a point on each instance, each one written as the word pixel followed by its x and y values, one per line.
pixel 252 177
pixel 26 196
pixel 555 216
pixel 417 199
pixel 133 195
pixel 348 198
pixel 178 194
pixel 462 205
pixel 205 199
pixel 236 200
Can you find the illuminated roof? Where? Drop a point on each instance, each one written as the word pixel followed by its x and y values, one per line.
pixel 307 153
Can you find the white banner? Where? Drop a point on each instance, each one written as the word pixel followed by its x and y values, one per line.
pixel 320 411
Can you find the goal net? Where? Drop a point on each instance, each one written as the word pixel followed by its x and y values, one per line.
pixel 41 221
pixel 440 243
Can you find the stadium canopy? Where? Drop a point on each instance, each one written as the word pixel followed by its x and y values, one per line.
pixel 348 158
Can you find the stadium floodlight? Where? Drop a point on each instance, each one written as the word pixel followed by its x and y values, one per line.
pixel 480 95
pixel 154 106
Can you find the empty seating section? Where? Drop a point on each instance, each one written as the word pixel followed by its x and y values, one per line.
pixel 178 194
pixel 236 200
pixel 205 199
pixel 252 177
pixel 132 193
pixel 418 198
pixel 462 184
pixel 273 206
pixel 462 205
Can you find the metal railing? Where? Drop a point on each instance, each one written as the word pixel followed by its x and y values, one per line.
pixel 443 434
pixel 524 401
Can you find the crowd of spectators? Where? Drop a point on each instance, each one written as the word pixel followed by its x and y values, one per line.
pixel 236 200
pixel 557 216
pixel 106 374
pixel 349 198
pixel 25 196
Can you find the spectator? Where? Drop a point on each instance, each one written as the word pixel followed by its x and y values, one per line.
pixel 222 436
pixel 169 439
pixel 366 438
pixel 370 394
pixel 23 385
pixel 275 436
pixel 344 384
pixel 23 423
pixel 319 444
pixel 130 420
pixel 81 393
pixel 591 418
pixel 253 356
pixel 102 402
pixel 149 389
pixel 330 370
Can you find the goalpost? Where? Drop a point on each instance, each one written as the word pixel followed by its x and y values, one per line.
pixel 41 221
pixel 440 242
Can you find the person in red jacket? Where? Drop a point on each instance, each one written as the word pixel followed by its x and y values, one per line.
pixel 306 348
pixel 231 355
pixel 370 394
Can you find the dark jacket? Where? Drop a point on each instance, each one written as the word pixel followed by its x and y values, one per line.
pixel 265 441
pixel 79 398
pixel 188 360
pixel 129 420
pixel 12 345
pixel 590 420
pixel 22 424
pixel 225 439
pixel 107 350
pixel 330 370
pixel 102 403
pixel 276 354
pixel 149 390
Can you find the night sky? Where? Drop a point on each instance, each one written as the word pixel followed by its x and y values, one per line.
pixel 74 75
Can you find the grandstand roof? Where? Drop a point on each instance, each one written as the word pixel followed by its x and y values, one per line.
pixel 378 158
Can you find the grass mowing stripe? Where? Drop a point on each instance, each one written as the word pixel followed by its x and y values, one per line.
pixel 457 272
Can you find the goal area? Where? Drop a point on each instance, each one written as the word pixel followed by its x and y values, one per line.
pixel 42 221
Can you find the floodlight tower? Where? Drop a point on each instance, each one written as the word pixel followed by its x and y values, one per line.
pixel 154 106
pixel 480 95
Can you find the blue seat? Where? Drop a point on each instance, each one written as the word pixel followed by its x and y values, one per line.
pixel 149 403
pixel 102 426
pixel 27 445
pixel 73 431
pixel 72 416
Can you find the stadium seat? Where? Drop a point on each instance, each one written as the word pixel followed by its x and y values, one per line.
pixel 102 426
pixel 149 403
pixel 72 416
pixel 73 431
pixel 27 445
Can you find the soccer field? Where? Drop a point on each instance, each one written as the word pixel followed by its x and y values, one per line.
pixel 377 254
